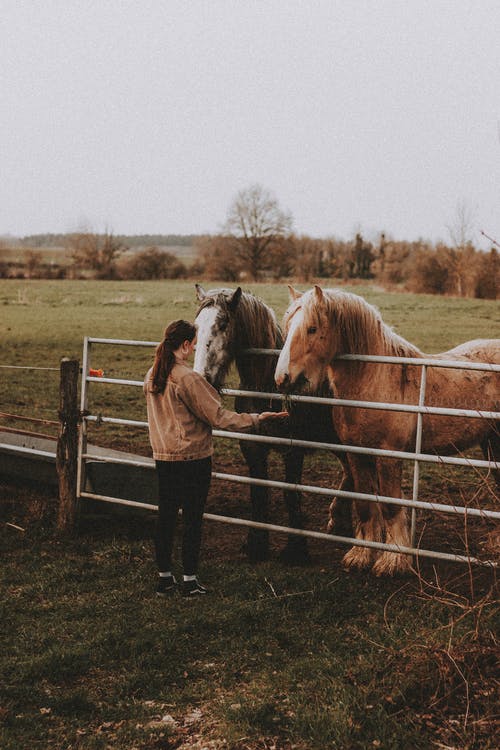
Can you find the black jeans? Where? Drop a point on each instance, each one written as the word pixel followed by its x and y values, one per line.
pixel 182 484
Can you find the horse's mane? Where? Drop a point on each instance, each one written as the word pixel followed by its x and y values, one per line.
pixel 359 323
pixel 257 324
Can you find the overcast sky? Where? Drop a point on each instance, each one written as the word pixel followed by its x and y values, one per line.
pixel 149 117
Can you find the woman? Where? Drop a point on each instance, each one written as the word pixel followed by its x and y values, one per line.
pixel 182 410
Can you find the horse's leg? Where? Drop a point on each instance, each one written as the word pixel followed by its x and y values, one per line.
pixel 395 517
pixel 340 511
pixel 491 450
pixel 295 551
pixel 258 539
pixel 367 517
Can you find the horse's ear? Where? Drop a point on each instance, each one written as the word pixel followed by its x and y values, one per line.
pixel 235 298
pixel 294 294
pixel 200 292
pixel 318 293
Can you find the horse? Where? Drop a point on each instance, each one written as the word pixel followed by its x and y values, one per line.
pixel 229 321
pixel 320 325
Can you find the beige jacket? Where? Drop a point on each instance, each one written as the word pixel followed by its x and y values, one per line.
pixel 182 417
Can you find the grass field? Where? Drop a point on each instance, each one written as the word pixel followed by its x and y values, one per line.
pixel 276 657
pixel 43 321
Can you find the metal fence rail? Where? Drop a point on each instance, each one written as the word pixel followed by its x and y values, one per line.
pixel 417 457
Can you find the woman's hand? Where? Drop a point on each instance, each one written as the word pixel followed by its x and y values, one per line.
pixel 273 415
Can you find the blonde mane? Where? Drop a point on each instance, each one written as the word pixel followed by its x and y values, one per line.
pixel 359 324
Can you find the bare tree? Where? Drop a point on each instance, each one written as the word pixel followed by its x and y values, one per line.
pixel 256 223
pixel 362 257
pixel 461 231
pixel 96 252
pixel 462 227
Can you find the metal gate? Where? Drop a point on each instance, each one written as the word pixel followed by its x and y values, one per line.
pixel 417 457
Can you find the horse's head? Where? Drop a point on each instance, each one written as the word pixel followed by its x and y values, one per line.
pixel 309 345
pixel 214 321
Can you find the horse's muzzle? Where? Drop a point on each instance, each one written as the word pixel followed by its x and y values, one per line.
pixel 283 381
pixel 286 385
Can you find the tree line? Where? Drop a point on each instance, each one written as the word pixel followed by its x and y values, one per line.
pixel 410 266
pixel 257 243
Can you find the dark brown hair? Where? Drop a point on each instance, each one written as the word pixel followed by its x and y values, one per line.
pixel 175 335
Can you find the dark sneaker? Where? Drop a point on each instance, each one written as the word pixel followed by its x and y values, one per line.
pixel 166 585
pixel 193 588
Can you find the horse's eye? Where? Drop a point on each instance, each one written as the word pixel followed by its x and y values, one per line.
pixel 312 329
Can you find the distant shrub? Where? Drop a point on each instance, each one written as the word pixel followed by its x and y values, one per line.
pixel 464 272
pixel 488 277
pixel 152 263
pixel 215 255
pixel 429 275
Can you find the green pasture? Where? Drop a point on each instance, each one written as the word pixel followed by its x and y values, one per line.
pixel 42 321
pixel 310 658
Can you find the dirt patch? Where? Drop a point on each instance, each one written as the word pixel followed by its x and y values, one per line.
pixel 28 505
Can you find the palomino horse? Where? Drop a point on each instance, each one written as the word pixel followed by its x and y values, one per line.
pixel 228 322
pixel 323 324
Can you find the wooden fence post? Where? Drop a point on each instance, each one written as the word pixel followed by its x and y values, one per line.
pixel 67 444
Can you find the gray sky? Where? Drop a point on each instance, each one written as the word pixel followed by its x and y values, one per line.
pixel 148 117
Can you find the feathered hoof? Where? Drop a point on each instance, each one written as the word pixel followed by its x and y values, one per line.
pixel 392 564
pixel 358 558
pixel 295 552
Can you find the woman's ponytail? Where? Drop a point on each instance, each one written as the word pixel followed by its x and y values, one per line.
pixel 175 335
